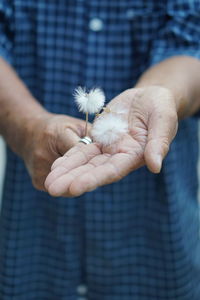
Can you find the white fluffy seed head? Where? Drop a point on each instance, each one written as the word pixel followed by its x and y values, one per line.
pixel 109 128
pixel 91 102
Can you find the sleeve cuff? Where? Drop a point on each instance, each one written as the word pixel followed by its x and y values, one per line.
pixel 162 53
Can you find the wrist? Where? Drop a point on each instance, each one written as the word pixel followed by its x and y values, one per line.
pixel 180 74
pixel 178 95
pixel 17 125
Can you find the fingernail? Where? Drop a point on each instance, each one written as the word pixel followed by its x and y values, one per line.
pixel 158 161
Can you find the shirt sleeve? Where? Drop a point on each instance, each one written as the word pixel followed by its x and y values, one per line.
pixel 181 33
pixel 6 30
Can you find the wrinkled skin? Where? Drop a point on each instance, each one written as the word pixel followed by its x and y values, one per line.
pixel 152 120
pixel 46 139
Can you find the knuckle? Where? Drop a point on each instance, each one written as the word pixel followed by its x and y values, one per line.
pixel 37 183
pixel 38 157
pixel 49 132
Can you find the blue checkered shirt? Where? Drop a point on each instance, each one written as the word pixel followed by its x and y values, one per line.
pixel 137 239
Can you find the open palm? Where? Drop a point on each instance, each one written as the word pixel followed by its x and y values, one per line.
pixel 152 119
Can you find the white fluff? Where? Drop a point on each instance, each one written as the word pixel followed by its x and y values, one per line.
pixel 119 108
pixel 91 102
pixel 109 128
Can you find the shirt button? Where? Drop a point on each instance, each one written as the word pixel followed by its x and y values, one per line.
pixel 82 290
pixel 96 24
pixel 130 13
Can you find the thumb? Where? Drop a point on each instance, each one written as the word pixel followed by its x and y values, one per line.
pixel 162 129
pixel 70 136
pixel 67 139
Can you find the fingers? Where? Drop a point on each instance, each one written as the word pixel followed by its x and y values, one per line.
pixel 69 137
pixel 71 151
pixel 75 157
pixel 111 171
pixel 100 170
pixel 61 185
pixel 162 129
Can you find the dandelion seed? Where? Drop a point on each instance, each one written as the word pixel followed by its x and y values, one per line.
pixel 89 103
pixel 109 128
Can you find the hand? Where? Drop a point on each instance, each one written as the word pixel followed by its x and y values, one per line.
pixel 153 124
pixel 46 138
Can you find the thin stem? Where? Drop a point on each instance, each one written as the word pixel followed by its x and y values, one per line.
pixel 86 124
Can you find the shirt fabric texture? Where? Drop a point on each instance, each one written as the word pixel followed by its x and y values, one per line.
pixel 135 239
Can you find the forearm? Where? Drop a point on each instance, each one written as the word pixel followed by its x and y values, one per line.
pixel 18 107
pixel 181 75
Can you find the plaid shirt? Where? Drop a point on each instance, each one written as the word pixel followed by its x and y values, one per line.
pixel 135 239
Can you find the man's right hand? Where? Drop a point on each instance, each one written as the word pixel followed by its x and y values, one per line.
pixel 45 139
pixel 36 135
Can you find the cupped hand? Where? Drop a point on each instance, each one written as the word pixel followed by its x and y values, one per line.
pixel 153 122
pixel 46 138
